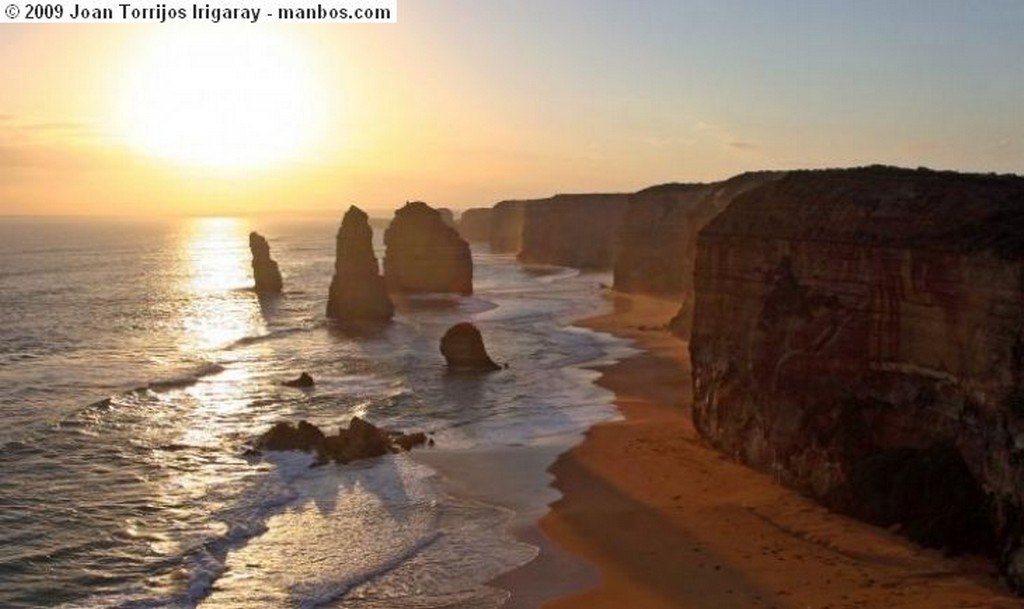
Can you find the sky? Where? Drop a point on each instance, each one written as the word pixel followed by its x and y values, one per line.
pixel 464 103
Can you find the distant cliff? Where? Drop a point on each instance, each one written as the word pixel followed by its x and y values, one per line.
pixel 572 230
pixel 475 224
pixel 657 241
pixel 447 215
pixel 507 227
pixel 860 334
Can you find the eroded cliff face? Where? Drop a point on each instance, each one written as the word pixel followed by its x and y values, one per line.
pixel 859 334
pixel 657 240
pixel 425 254
pixel 475 224
pixel 572 230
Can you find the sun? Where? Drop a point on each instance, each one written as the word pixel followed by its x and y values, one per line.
pixel 220 98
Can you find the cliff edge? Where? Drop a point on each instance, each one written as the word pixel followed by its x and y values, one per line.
pixel 860 334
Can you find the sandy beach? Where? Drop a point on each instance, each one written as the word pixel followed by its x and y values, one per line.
pixel 668 522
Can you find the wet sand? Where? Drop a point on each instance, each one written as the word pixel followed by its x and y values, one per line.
pixel 668 522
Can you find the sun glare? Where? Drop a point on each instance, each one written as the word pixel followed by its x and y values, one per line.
pixel 224 98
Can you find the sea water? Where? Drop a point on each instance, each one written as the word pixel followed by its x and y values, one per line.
pixel 136 363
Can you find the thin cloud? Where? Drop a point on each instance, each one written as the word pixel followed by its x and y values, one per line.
pixel 57 126
pixel 743 145
pixel 665 142
pixel 705 127
pixel 725 136
pixel 55 145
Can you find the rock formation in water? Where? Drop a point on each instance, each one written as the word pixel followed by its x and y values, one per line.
pixel 357 291
pixel 463 349
pixel 361 440
pixel 303 381
pixel 507 227
pixel 572 230
pixel 265 273
pixel 475 224
pixel 860 334
pixel 424 254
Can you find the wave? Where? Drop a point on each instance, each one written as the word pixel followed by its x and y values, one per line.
pixel 81 418
pixel 201 564
pixel 246 341
pixel 322 596
pixel 181 381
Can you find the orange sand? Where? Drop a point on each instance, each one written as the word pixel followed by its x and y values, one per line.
pixel 670 523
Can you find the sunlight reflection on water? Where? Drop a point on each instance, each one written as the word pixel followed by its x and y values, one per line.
pixel 216 253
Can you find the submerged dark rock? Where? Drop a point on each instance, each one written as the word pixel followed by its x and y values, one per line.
pixel 425 254
pixel 303 380
pixel 361 440
pixel 266 275
pixel 463 348
pixel 357 291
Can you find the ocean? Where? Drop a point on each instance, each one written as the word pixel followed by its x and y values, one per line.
pixel 136 363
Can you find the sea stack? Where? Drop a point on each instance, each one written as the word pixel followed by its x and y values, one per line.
pixel 463 349
pixel 357 290
pixel 424 254
pixel 265 273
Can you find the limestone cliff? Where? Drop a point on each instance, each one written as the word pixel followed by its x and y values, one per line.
pixel 860 334
pixel 475 224
pixel 507 227
pixel 572 230
pixel 266 275
pixel 357 291
pixel 657 241
pixel 424 254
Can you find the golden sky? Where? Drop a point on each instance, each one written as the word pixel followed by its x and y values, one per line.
pixel 462 104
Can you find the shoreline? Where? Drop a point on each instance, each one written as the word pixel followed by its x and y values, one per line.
pixel 668 522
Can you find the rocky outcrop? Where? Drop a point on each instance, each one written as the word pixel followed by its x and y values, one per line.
pixel 424 254
pixel 572 230
pixel 303 381
pixel 463 349
pixel 860 334
pixel 361 440
pixel 656 244
pixel 357 291
pixel 507 227
pixel 265 273
pixel 475 224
